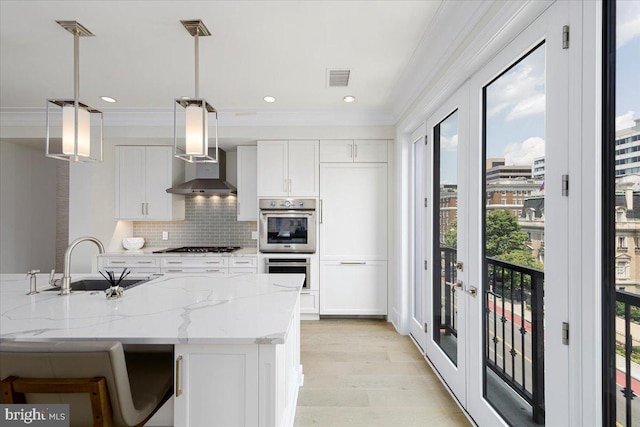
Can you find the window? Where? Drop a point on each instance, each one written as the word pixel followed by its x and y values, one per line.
pixel 622 242
pixel 622 269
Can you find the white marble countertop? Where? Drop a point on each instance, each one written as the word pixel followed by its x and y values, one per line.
pixel 149 252
pixel 172 309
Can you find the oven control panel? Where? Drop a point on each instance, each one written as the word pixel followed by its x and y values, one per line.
pixel 288 204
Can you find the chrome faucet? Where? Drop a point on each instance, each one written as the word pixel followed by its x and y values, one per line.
pixel 65 287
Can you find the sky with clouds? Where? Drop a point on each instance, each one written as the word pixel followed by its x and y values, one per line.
pixel 627 63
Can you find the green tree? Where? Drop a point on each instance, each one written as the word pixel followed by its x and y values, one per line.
pixel 505 240
pixel 503 234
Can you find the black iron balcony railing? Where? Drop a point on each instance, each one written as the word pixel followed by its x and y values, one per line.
pixel 630 302
pixel 514 328
pixel 449 305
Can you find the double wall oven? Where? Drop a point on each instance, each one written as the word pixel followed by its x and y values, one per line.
pixel 288 226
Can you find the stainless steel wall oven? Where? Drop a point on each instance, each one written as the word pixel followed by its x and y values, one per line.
pixel 290 266
pixel 287 225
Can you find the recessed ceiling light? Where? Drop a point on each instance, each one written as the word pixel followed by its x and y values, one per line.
pixel 349 98
pixel 269 99
pixel 108 99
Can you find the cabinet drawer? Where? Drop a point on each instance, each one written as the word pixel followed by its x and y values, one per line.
pixel 243 262
pixel 242 270
pixel 135 271
pixel 204 262
pixel 309 303
pixel 131 262
pixel 178 269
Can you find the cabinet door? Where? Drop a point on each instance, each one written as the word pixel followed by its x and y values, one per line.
pixel 247 200
pixel 158 179
pixel 303 168
pixel 353 211
pixel 272 168
pixel 216 385
pixel 370 151
pixel 130 182
pixel 336 151
pixel 353 287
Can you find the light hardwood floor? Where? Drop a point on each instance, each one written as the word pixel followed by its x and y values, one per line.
pixel 363 373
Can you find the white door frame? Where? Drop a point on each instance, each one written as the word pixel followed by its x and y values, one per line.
pixel 547 27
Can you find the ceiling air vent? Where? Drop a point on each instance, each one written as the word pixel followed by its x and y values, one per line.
pixel 339 78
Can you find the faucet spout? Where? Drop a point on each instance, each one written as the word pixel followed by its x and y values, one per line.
pixel 65 286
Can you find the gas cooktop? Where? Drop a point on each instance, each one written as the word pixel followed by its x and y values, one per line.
pixel 200 249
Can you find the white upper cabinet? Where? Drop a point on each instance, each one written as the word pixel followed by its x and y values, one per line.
pixel 143 173
pixel 288 168
pixel 247 201
pixel 353 151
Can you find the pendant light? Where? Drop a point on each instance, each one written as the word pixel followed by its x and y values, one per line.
pixel 74 129
pixel 191 122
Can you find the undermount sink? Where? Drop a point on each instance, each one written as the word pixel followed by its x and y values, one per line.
pixel 101 284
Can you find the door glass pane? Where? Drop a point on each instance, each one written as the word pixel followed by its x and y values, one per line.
pixel 445 307
pixel 418 208
pixel 627 213
pixel 513 218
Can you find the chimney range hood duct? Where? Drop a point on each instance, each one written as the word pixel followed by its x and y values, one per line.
pixel 210 178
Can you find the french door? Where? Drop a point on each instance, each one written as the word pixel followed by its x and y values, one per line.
pixel 495 232
pixel 447 189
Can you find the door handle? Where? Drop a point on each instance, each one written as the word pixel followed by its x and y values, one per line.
pixel 473 291
pixel 459 285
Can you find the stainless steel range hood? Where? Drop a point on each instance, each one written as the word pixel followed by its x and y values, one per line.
pixel 207 178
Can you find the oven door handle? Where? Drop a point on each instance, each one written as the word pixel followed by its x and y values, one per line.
pixel 297 213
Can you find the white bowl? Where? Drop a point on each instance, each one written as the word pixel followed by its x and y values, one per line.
pixel 132 243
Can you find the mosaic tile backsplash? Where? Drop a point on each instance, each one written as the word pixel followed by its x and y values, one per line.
pixel 209 221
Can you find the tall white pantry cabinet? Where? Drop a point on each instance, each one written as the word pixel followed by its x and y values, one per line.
pixel 353 228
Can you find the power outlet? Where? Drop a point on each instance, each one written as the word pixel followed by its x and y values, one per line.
pixel 165 235
pixel 254 235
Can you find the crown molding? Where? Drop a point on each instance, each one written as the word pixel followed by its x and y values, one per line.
pixel 35 117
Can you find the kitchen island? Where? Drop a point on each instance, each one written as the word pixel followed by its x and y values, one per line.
pixel 235 337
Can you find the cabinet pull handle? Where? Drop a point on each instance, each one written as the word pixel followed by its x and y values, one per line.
pixel 174 262
pixel 213 262
pixel 217 270
pixel 290 190
pixel 355 146
pixel 118 262
pixel 353 262
pixel 242 262
pixel 174 271
pixel 178 363
pixel 144 262
pixel 238 209
pixel 321 211
pixel 142 208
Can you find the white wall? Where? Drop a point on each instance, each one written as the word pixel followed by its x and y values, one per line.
pixel 27 209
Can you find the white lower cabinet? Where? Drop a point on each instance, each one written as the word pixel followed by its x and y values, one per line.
pixel 310 302
pixel 216 385
pixel 353 287
pixel 251 385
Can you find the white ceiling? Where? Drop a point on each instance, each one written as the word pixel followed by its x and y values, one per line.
pixel 143 56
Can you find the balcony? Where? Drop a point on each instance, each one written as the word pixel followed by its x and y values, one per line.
pixel 627 357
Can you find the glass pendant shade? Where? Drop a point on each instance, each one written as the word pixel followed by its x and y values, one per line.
pixel 192 119
pixel 70 139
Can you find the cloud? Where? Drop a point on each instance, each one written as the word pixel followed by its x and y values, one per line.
pixel 528 107
pixel 625 121
pixel 449 143
pixel 521 90
pixel 523 153
pixel 627 22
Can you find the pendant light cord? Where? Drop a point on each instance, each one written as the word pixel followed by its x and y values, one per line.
pixel 197 56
